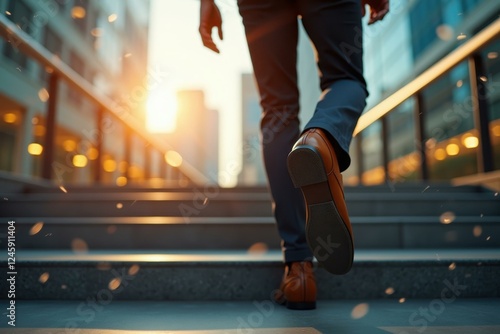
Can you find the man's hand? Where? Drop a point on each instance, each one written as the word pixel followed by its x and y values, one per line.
pixel 378 9
pixel 209 18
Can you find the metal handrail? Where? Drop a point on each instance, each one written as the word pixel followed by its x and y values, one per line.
pixel 430 75
pixel 29 46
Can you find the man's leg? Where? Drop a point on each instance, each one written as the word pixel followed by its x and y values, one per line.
pixel 334 27
pixel 272 33
pixel 322 152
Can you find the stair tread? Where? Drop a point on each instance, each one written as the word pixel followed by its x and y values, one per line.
pixel 239 196
pixel 386 315
pixel 155 187
pixel 156 220
pixel 138 196
pixel 233 256
pixel 241 276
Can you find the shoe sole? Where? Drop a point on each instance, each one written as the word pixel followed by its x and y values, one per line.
pixel 326 232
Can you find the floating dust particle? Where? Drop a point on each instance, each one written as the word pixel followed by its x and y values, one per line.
pixel 44 278
pixel 447 218
pixel 360 310
pixel 35 229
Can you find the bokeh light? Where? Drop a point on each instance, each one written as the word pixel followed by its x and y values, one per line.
pixel 44 278
pixel 10 118
pixel 79 245
pixel 359 311
pixel 43 95
pixel 35 229
pixel 80 160
pixel 133 270
pixel 447 218
pixel 114 284
pixel 78 12
pixel 173 158
pixel 35 149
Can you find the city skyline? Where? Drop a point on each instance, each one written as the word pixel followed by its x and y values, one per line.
pixel 176 48
pixel 104 45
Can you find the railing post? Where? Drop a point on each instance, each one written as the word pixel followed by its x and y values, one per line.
pixel 478 82
pixel 163 166
pixel 50 127
pixel 99 146
pixel 128 154
pixel 385 147
pixel 147 162
pixel 359 152
pixel 419 115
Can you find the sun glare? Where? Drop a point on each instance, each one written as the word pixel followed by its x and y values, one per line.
pixel 161 111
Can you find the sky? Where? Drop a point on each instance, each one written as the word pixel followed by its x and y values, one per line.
pixel 176 48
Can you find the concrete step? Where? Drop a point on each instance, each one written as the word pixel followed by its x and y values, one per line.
pixel 237 204
pixel 241 233
pixel 416 187
pixel 233 276
pixel 455 315
pixel 410 187
pixel 136 204
pixel 423 204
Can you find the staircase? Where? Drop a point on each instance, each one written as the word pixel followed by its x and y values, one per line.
pixel 209 243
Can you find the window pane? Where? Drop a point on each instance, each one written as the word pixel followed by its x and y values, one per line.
pixel 80 15
pixel 451 144
pixel 491 56
pixel 11 120
pixel 350 175
pixel 21 15
pixel 373 172
pixel 404 160
pixel 38 130
pixel 53 43
pixel 78 65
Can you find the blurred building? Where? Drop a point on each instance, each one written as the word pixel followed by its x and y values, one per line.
pixel 105 42
pixel 196 136
pixel 252 171
pixel 413 37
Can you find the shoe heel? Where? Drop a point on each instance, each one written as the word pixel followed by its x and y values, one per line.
pixel 301 305
pixel 305 166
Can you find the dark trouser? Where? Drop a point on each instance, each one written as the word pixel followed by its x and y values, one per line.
pixel 334 27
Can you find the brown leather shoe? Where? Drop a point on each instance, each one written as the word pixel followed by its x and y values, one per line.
pixel 313 167
pixel 298 287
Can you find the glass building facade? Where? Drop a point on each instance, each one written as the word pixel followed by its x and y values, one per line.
pixel 436 134
pixel 448 129
pixel 103 42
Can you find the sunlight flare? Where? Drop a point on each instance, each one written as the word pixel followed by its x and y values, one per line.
pixel 161 111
